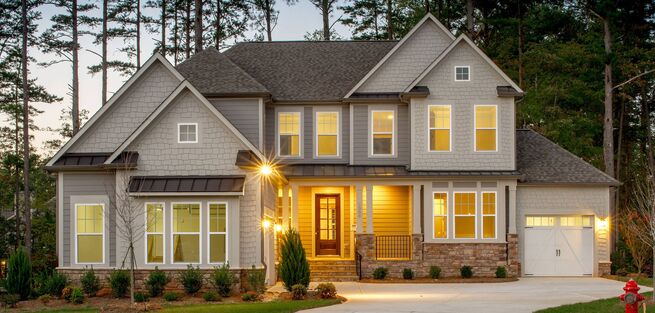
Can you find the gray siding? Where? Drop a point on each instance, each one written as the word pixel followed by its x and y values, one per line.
pixel 86 184
pixel 463 96
pixel 361 137
pixel 243 114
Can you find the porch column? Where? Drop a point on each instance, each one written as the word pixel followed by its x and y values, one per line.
pixel 369 209
pixel 512 209
pixel 358 204
pixel 285 207
pixel 294 206
pixel 416 209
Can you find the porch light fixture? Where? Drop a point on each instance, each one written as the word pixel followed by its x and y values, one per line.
pixel 603 223
pixel 278 228
pixel 266 169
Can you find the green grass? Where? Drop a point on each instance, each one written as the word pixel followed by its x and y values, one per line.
pixel 268 307
pixel 642 281
pixel 67 310
pixel 611 305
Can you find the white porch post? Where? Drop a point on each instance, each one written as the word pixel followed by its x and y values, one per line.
pixel 294 206
pixel 416 209
pixel 369 209
pixel 285 207
pixel 358 204
pixel 512 208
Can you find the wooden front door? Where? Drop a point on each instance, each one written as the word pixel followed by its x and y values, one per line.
pixel 328 224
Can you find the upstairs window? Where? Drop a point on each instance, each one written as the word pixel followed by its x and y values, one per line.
pixel 462 73
pixel 486 127
pixel 382 133
pixel 289 134
pixel 90 233
pixel 187 133
pixel 327 134
pixel 439 118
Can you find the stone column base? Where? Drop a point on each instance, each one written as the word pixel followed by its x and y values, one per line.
pixel 604 268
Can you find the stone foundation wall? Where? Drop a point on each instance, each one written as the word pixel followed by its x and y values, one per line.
pixel 604 268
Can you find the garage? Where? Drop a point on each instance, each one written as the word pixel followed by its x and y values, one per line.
pixel 559 245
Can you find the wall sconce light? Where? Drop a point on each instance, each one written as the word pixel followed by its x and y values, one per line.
pixel 266 224
pixel 603 223
pixel 266 169
pixel 278 228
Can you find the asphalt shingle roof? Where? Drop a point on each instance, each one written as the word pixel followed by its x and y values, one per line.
pixel 308 70
pixel 542 161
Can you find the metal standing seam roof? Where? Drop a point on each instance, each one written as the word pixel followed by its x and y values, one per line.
pixel 184 184
pixel 94 160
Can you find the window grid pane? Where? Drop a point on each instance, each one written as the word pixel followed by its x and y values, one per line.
pixel 439 125
pixel 485 128
pixel 327 132
pixel 488 215
pixel 440 214
pixel 186 233
pixel 187 132
pixel 217 232
pixel 289 133
pixel 382 132
pixel 465 212
pixel 90 219
pixel 462 73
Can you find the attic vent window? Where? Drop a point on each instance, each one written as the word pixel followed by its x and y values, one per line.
pixel 187 133
pixel 462 73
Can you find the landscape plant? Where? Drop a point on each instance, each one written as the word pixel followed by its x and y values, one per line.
pixel 172 296
pixel 408 273
pixel 298 292
pixel 140 297
pixel 223 280
pixel 250 296
pixel 19 274
pixel 55 284
pixel 256 280
pixel 326 290
pixel 77 296
pixel 466 271
pixel 119 281
pixel 90 283
pixel 211 296
pixel 294 268
pixel 380 273
pixel 435 272
pixel 191 279
pixel 156 282
pixel 501 272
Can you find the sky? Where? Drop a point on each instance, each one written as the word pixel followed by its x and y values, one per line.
pixel 293 23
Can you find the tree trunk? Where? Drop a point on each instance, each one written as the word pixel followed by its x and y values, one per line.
pixel 521 47
pixel 26 136
pixel 132 260
pixel 163 28
pixel 17 167
pixel 269 16
pixel 608 125
pixel 138 34
pixel 325 9
pixel 469 18
pixel 176 45
pixel 75 109
pixel 390 34
pixel 217 24
pixel 426 4
pixel 198 25
pixel 104 51
pixel 187 29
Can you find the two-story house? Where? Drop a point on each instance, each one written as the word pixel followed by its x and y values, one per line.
pixel 402 154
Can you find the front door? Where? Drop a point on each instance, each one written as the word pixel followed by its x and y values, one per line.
pixel 328 228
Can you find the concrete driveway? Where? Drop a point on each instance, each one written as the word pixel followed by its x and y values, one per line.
pixel 525 295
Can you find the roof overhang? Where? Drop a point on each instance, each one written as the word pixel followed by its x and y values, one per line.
pixel 94 162
pixel 210 185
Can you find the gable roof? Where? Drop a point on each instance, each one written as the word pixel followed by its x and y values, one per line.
pixel 213 73
pixel 308 70
pixel 185 85
pixel 427 18
pixel 542 161
pixel 154 58
pixel 463 38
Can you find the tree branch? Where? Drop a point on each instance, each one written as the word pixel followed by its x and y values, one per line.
pixel 633 78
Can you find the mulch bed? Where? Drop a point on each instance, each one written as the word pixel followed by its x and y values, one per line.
pixel 447 280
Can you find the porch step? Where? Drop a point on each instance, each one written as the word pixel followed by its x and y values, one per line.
pixel 333 270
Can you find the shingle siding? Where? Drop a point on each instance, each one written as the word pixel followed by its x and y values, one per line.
pixel 243 114
pixel 361 144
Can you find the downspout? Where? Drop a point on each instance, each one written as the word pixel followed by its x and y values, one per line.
pixel 261 214
pixel 506 224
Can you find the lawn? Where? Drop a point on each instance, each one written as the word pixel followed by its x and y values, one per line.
pixel 611 305
pixel 642 281
pixel 268 307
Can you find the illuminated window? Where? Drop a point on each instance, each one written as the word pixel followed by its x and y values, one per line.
pixel 489 215
pixel 439 116
pixel 540 221
pixel 327 133
pixel 462 73
pixel 575 221
pixel 187 133
pixel 485 128
pixel 154 233
pixel 465 214
pixel 186 233
pixel 382 128
pixel 289 134
pixel 217 233
pixel 90 233
pixel 440 214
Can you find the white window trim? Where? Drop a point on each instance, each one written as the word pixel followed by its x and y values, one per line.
pixel 462 66
pixel 450 128
pixel 447 215
pixel 373 133
pixel 199 233
pixel 209 232
pixel 162 233
pixel 316 134
pixel 475 216
pixel 475 127
pixel 300 135
pixel 495 215
pixel 77 256
pixel 187 124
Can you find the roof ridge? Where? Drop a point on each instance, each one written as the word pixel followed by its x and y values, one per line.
pixel 316 41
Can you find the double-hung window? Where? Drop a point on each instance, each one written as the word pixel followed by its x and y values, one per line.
pixel 382 133
pixel 217 232
pixel 289 134
pixel 439 124
pixel 186 233
pixel 488 215
pixel 154 233
pixel 440 215
pixel 327 134
pixel 486 129
pixel 465 211
pixel 90 233
pixel 187 132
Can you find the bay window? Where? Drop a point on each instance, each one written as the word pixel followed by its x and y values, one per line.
pixel 89 228
pixel 327 134
pixel 465 211
pixel 382 133
pixel 186 232
pixel 289 134
pixel 154 233
pixel 217 232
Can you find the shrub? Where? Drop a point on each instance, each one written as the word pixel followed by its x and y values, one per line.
pixel 119 280
pixel 9 300
pixel 250 296
pixel 90 283
pixel 466 271
pixel 45 298
pixel 172 296
pixel 501 272
pixel 298 291
pixel 191 279
pixel 66 293
pixel 156 282
pixel 256 280
pixel 408 273
pixel 294 268
pixel 55 284
pixel 435 272
pixel 141 297
pixel 211 296
pixel 380 273
pixel 19 274
pixel 326 290
pixel 622 272
pixel 223 280
pixel 77 296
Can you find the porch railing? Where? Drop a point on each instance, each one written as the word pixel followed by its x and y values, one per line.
pixel 395 247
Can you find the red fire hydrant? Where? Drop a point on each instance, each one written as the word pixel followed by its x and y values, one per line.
pixel 631 297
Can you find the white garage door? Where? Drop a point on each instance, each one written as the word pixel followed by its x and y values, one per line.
pixel 558 245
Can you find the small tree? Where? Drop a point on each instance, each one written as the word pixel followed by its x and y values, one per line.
pixel 294 268
pixel 631 224
pixel 19 274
